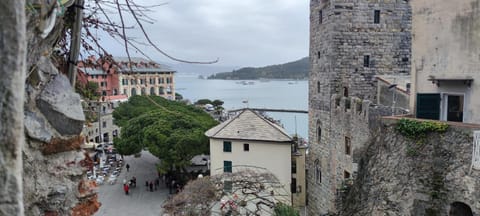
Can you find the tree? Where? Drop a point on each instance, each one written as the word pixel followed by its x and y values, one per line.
pixel 247 191
pixel 172 131
pixel 203 102
pixel 217 103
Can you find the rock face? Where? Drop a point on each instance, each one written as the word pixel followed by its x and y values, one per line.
pixel 12 78
pixel 53 163
pixel 401 176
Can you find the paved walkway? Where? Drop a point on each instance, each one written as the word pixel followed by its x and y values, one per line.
pixel 139 201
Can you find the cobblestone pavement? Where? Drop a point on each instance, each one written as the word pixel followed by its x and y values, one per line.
pixel 139 201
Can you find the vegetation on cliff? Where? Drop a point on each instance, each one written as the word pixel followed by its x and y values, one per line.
pixel 293 70
pixel 170 130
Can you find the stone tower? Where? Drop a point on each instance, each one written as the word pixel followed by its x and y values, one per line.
pixel 351 41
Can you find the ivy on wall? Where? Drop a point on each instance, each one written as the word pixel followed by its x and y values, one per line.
pixel 417 131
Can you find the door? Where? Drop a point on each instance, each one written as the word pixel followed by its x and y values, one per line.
pixel 454 108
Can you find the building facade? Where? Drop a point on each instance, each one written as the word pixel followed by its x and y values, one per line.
pixel 445 54
pixel 101 72
pixel 351 42
pixel 144 77
pixel 250 140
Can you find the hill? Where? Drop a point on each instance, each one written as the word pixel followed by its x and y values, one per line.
pixel 293 70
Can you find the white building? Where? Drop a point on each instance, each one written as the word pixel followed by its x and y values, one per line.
pixel 249 139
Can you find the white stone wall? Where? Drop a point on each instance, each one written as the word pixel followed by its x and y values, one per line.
pixel 446 44
pixel 275 157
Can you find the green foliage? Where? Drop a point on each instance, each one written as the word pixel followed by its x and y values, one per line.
pixel 174 134
pixel 203 102
pixel 293 70
pixel 416 129
pixel 285 210
pixel 217 103
pixel 88 91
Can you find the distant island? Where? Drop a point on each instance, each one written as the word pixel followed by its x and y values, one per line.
pixel 293 70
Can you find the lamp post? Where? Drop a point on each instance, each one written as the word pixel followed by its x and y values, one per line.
pixel 393 88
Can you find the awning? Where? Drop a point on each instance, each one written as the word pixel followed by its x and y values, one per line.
pixel 437 80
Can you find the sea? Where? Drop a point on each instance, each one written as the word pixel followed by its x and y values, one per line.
pixel 236 94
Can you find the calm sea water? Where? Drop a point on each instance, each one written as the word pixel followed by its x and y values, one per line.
pixel 278 94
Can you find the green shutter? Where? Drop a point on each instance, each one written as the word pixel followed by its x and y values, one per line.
pixel 428 106
pixel 227 166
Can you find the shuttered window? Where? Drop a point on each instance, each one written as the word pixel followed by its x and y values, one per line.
pixel 428 106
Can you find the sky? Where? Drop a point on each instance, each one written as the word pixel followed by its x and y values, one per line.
pixel 239 33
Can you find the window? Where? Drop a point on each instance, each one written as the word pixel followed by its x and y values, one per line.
pixel 132 82
pixel 293 187
pixel 294 166
pixel 124 91
pixel 346 174
pixel 227 186
pixel 104 93
pixel 318 86
pixel 115 92
pixel 227 146
pixel 141 81
pixel 318 54
pixel 376 16
pixel 319 132
pixel 318 172
pixel 320 17
pixel 345 91
pixel 104 124
pixel 366 61
pixel 227 166
pixel 348 146
pixel 246 147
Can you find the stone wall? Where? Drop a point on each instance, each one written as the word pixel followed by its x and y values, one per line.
pixel 342 35
pixel 400 176
pixel 41 164
pixel 12 69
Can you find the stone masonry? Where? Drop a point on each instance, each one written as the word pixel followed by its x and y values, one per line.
pixel 351 41
pixel 401 176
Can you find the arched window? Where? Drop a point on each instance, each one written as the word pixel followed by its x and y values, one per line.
pixel 115 92
pixel 143 91
pixel 345 91
pixel 319 132
pixel 460 209
pixel 125 91
pixel 152 91
pixel 134 91
pixel 161 90
pixel 318 171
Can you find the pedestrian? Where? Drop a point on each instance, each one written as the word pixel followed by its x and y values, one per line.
pixel 157 183
pixel 125 188
pixel 172 186
pixel 151 186
pixel 128 167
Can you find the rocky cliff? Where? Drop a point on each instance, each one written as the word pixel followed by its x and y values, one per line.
pixel 421 176
pixel 41 167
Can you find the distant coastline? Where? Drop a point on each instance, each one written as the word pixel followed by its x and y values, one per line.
pixel 296 70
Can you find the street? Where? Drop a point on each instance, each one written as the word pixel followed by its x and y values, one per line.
pixel 139 201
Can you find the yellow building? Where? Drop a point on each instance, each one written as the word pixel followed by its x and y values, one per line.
pixel 144 77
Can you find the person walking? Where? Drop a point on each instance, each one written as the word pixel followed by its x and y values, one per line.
pixel 151 186
pixel 128 167
pixel 157 183
pixel 125 188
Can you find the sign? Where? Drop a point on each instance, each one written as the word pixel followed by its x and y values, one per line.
pixel 476 150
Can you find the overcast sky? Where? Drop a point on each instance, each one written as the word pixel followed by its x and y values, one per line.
pixel 238 32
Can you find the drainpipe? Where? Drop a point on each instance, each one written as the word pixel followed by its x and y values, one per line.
pixel 75 42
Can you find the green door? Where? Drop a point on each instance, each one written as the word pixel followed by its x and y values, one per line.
pixel 428 106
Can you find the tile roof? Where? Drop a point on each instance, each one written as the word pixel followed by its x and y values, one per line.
pixel 249 125
pixel 92 71
pixel 141 69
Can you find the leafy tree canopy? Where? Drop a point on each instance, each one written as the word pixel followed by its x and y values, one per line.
pixel 172 131
pixel 203 102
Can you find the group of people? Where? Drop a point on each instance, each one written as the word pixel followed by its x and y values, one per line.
pixel 152 184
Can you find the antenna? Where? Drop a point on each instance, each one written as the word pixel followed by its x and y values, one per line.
pixel 295 116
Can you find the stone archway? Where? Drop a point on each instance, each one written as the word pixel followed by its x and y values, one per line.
pixel 460 209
